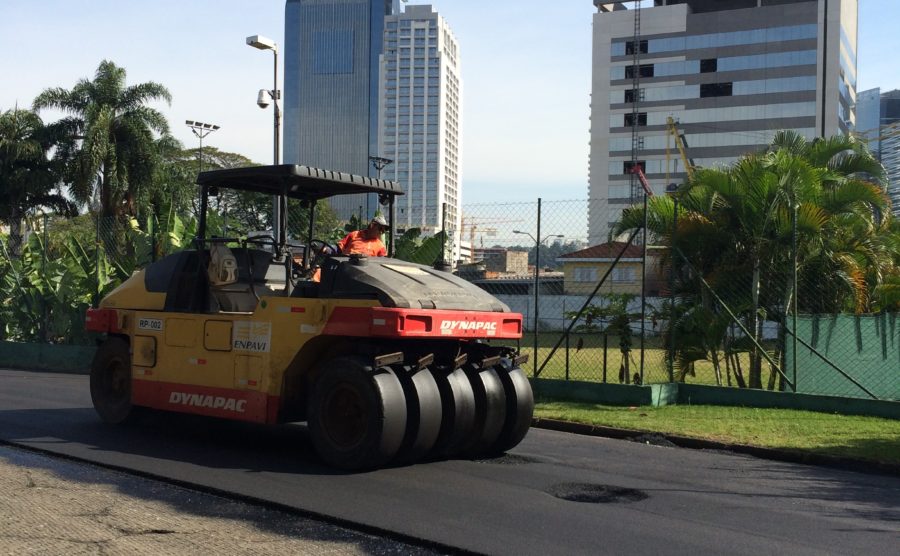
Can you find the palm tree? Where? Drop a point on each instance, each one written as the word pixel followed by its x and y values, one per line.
pixel 739 222
pixel 27 173
pixel 115 159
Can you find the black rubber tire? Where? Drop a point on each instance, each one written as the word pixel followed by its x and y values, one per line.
pixel 111 381
pixel 519 407
pixel 423 413
pixel 490 410
pixel 357 416
pixel 458 412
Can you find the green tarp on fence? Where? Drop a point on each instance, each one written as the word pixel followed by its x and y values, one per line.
pixel 46 357
pixel 866 347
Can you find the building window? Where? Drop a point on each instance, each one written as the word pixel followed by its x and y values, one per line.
pixel 584 274
pixel 642 47
pixel 710 65
pixel 645 70
pixel 641 119
pixel 715 90
pixel 630 96
pixel 624 274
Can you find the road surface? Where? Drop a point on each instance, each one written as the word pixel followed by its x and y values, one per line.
pixel 556 493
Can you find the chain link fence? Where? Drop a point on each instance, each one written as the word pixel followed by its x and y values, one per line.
pixel 536 257
pixel 617 310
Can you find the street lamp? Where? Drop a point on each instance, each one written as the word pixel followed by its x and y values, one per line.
pixel 537 265
pixel 262 100
pixel 201 130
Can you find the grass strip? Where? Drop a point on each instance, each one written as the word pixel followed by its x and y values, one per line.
pixel 871 439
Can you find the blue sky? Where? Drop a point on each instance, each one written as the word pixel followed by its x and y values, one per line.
pixel 525 66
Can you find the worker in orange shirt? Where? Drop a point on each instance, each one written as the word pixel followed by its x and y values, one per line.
pixel 367 242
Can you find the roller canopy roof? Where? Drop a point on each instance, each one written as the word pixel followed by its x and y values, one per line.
pixel 298 182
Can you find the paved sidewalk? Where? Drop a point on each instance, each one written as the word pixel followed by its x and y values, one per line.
pixel 54 506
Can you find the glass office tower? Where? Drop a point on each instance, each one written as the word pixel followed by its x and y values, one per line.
pixel 729 73
pixel 331 57
pixel 420 108
pixel 878 124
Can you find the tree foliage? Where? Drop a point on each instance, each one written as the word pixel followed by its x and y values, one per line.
pixel 735 227
pixel 29 177
pixel 110 149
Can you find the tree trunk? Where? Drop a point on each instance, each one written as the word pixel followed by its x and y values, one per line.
pixel 738 372
pixel 716 366
pixel 728 368
pixel 782 337
pixel 15 235
pixel 106 204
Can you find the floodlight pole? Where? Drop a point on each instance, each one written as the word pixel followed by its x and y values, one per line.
pixel 201 130
pixel 379 162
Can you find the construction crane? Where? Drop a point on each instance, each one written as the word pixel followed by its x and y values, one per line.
pixel 483 226
pixel 636 139
pixel 883 132
pixel 636 170
pixel 681 143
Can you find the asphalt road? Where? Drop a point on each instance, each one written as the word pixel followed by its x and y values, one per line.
pixel 641 499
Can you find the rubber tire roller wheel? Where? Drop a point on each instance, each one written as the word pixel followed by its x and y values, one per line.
pixel 519 407
pixel 490 410
pixel 423 413
pixel 458 412
pixel 357 415
pixel 111 382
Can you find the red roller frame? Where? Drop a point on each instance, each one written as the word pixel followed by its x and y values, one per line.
pixel 383 322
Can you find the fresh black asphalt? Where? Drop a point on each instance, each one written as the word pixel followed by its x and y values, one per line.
pixel 556 493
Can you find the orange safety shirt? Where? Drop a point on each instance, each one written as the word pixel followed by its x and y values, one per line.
pixel 359 242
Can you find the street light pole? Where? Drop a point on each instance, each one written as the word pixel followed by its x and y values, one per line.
pixel 279 203
pixel 537 262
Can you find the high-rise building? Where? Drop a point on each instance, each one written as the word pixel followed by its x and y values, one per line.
pixel 730 73
pixel 419 110
pixel 331 57
pixel 878 123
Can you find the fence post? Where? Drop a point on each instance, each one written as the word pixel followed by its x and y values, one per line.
pixel 537 289
pixel 796 290
pixel 44 315
pixel 672 263
pixel 97 247
pixel 605 346
pixel 566 329
pixel 151 230
pixel 643 290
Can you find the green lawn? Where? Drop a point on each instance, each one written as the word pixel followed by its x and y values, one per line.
pixel 866 438
pixel 585 356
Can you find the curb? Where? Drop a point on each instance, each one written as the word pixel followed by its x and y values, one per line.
pixel 789 456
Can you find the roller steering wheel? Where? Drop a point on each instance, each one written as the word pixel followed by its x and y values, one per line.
pixel 318 250
pixel 262 240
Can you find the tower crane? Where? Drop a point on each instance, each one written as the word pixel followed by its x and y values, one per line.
pixel 681 143
pixel 483 226
pixel 883 132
